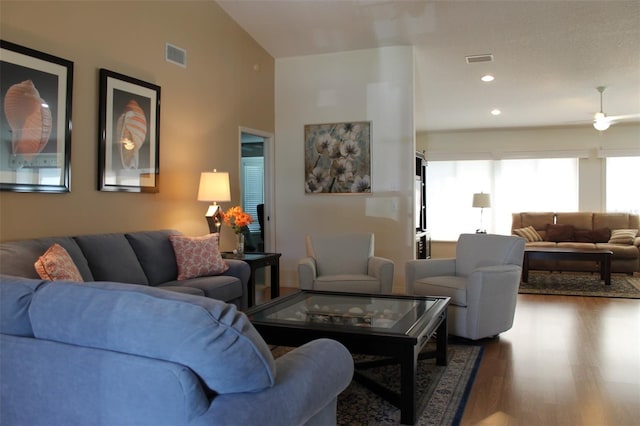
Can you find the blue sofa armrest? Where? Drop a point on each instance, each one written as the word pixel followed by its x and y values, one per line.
pixel 51 383
pixel 308 381
pixel 241 270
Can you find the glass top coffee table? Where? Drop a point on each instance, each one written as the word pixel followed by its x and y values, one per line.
pixel 393 326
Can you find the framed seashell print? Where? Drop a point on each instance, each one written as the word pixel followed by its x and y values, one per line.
pixel 35 120
pixel 129 139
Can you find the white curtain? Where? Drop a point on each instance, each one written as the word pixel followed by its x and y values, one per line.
pixel 514 185
pixel 623 194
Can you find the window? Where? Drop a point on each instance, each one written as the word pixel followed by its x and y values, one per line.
pixel 514 185
pixel 253 188
pixel 450 189
pixel 621 175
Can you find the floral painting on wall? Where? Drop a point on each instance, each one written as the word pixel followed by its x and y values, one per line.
pixel 337 158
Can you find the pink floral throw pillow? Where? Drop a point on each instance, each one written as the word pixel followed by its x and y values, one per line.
pixel 56 264
pixel 197 256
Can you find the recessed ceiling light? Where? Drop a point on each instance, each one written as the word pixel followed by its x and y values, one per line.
pixel 496 112
pixel 487 78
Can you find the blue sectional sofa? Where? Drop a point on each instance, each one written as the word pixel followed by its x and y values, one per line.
pixel 143 258
pixel 102 353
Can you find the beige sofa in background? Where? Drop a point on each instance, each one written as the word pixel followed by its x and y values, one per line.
pixel 590 231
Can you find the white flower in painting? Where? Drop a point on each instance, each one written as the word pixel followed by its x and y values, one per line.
pixel 334 149
pixel 312 185
pixel 323 142
pixel 361 184
pixel 349 149
pixel 320 175
pixel 355 132
pixel 342 169
pixel 349 131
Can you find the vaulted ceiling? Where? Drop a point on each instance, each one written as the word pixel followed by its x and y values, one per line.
pixel 548 56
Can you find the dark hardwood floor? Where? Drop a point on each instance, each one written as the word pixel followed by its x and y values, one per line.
pixel 566 361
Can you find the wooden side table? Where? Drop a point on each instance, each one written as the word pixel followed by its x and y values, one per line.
pixel 260 260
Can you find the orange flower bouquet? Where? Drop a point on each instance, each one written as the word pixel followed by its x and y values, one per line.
pixel 237 219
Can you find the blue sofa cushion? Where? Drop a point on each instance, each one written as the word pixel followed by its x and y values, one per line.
pixel 111 258
pixel 155 254
pixel 210 337
pixel 15 298
pixel 221 287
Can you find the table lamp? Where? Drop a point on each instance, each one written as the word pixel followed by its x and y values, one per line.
pixel 482 201
pixel 214 187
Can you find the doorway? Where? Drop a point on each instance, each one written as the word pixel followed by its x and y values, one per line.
pixel 256 181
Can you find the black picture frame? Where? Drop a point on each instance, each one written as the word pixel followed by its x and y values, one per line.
pixel 35 120
pixel 129 134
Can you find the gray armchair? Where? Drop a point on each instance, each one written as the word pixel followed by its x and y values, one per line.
pixel 482 282
pixel 344 263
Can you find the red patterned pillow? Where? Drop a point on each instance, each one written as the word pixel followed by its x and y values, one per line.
pixel 197 256
pixel 56 264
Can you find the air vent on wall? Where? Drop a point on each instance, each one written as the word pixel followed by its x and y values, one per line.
pixel 472 59
pixel 175 55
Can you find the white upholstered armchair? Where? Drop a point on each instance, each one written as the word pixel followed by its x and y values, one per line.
pixel 344 262
pixel 482 282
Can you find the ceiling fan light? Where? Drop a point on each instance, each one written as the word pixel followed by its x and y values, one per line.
pixel 601 124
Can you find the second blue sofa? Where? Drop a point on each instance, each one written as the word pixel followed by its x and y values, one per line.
pixel 144 258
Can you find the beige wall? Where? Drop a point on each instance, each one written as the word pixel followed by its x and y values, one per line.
pixel 202 107
pixel 366 85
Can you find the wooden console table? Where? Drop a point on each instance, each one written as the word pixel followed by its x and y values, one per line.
pixel 256 261
pixel 603 257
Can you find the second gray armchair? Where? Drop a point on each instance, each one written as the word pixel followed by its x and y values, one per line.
pixel 344 262
pixel 482 281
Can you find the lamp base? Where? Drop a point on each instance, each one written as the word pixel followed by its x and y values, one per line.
pixel 214 218
pixel 214 224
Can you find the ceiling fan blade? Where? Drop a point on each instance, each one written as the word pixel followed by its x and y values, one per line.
pixel 622 117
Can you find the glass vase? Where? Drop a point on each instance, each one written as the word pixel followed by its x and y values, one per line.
pixel 239 251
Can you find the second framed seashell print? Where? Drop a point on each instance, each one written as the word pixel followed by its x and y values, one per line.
pixel 35 120
pixel 129 139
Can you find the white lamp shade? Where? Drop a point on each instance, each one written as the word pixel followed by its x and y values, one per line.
pixel 481 200
pixel 214 186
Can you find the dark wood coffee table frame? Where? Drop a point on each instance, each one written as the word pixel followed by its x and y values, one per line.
pixel 603 257
pixel 402 347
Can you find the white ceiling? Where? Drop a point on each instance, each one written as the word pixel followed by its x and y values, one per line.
pixel 549 56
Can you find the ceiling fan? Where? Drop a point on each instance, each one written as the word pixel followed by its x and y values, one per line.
pixel 602 121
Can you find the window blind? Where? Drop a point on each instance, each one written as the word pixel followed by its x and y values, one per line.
pixel 253 188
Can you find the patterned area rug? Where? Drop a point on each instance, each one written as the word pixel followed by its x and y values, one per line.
pixel 581 284
pixel 442 391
